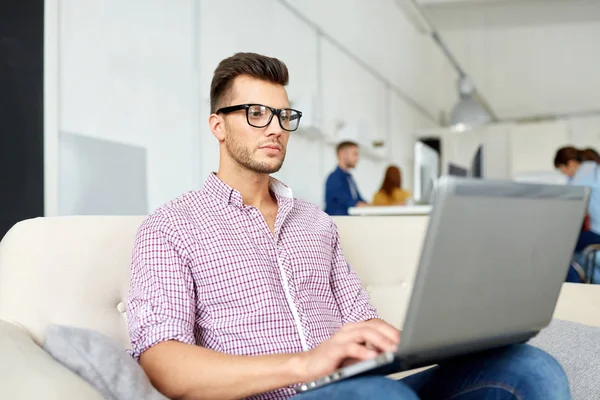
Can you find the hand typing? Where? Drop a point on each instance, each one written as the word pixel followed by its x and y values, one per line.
pixel 354 342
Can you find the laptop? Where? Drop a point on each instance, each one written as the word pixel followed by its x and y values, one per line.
pixel 492 265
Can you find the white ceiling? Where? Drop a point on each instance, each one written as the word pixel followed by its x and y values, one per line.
pixel 461 14
pixel 527 57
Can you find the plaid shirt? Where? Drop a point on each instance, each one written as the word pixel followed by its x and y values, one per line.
pixel 207 270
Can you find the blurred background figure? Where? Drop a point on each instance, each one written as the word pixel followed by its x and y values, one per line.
pixel 573 163
pixel 391 192
pixel 341 191
pixel 590 154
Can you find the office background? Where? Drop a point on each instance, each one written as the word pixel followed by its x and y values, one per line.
pixel 133 77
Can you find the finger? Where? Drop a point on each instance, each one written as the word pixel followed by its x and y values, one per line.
pixel 378 325
pixel 349 361
pixel 357 351
pixel 368 335
pixel 385 329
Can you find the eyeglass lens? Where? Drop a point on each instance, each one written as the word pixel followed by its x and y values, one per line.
pixel 260 116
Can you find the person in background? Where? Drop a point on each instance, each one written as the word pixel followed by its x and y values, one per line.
pixel 570 161
pixel 341 191
pixel 590 154
pixel 391 192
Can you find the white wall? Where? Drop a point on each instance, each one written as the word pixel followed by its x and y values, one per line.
pixel 540 70
pixel 519 151
pixel 533 146
pixel 138 72
pixel 527 57
pixel 127 74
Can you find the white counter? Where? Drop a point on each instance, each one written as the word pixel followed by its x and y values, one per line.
pixel 390 210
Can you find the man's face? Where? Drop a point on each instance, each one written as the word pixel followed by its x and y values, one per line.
pixel 261 150
pixel 349 156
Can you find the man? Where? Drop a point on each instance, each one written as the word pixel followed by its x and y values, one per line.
pixel 570 161
pixel 239 290
pixel 341 191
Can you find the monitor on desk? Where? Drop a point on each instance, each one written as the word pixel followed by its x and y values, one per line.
pixel 457 170
pixel 426 169
pixel 477 167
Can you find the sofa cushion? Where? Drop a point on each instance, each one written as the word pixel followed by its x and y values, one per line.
pixel 100 361
pixel 29 372
pixel 577 349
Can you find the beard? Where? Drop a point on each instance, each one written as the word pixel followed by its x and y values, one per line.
pixel 244 156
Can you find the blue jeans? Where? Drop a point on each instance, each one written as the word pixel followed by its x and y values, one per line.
pixel 518 372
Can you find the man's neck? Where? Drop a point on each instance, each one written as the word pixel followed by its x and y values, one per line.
pixel 253 187
pixel 343 167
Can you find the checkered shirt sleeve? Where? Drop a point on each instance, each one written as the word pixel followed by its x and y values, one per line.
pixel 161 301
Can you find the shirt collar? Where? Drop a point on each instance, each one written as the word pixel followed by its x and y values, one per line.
pixel 342 171
pixel 228 195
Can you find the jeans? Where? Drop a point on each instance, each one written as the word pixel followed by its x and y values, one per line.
pixel 518 372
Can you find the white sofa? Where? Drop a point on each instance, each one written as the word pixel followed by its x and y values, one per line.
pixel 75 271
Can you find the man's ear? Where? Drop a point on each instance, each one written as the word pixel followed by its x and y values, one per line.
pixel 217 126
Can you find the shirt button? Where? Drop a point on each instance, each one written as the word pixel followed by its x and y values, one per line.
pixel 121 307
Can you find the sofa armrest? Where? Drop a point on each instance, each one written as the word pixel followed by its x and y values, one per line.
pixel 28 372
pixel 579 303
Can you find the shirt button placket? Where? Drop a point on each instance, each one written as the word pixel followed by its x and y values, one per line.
pixel 290 294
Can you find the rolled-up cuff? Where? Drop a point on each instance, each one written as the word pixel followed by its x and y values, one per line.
pixel 159 333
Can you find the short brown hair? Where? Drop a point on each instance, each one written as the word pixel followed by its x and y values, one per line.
pixel 345 144
pixel 566 154
pixel 255 65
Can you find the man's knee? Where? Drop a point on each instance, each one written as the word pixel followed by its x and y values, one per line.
pixel 534 358
pixel 539 368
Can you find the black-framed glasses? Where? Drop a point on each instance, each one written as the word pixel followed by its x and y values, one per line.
pixel 259 115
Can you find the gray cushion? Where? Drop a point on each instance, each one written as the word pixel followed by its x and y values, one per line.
pixel 577 349
pixel 101 362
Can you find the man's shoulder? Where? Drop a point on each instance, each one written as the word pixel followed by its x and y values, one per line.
pixel 307 206
pixel 181 204
pixel 336 172
pixel 180 211
pixel 335 178
pixel 310 212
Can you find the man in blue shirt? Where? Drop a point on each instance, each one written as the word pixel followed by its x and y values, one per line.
pixel 341 191
pixel 583 173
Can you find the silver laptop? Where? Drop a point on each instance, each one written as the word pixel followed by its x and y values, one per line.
pixel 494 259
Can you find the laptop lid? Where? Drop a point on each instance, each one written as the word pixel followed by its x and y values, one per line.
pixel 494 259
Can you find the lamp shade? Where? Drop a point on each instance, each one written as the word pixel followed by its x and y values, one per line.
pixel 468 111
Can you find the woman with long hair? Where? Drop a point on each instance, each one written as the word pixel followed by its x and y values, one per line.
pixel 391 192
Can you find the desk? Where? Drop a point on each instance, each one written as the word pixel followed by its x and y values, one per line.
pixel 390 210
